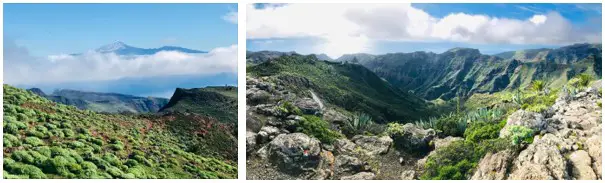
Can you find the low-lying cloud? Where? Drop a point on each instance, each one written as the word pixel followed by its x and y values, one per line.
pixel 351 28
pixel 21 68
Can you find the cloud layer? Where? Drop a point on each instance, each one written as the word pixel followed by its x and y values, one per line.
pixel 349 28
pixel 21 68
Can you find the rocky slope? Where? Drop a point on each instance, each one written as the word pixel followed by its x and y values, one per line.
pixel 464 71
pixel 567 147
pixel 104 102
pixel 297 129
pixel 347 86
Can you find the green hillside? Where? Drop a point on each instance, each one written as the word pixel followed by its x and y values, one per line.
pixel 43 139
pixel 349 86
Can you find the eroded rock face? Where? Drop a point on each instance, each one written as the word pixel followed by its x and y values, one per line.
pixel 494 166
pixel 531 120
pixel 540 161
pixel 293 153
pixel 581 166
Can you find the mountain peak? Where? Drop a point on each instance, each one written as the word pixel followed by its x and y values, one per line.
pixel 112 47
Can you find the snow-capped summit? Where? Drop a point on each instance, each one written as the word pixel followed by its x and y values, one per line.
pixel 112 47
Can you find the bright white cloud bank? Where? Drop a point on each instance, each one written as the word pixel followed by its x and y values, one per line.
pixel 350 28
pixel 22 68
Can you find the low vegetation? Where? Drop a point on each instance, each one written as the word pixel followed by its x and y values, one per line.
pixel 43 139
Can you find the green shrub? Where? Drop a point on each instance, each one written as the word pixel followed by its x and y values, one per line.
pixel 32 132
pixel 34 141
pixel 58 165
pixel 10 140
pixel 112 159
pixel 11 128
pixel 22 156
pixel 68 132
pixel 482 131
pixel 316 127
pixel 29 171
pixel 288 108
pixel 76 144
pixel 115 172
pixel 519 134
pixel 458 160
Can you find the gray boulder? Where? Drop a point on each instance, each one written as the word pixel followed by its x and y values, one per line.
pixel 373 145
pixel 308 106
pixel 293 153
pixel 347 165
pixel 250 141
pixel 413 139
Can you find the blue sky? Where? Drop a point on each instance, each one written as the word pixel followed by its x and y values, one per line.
pixel 492 28
pixel 47 29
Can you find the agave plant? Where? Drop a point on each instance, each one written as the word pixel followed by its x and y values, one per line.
pixel 428 124
pixel 538 85
pixel 517 98
pixel 359 123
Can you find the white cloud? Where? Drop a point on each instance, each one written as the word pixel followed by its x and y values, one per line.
pixel 351 28
pixel 231 17
pixel 22 68
pixel 538 19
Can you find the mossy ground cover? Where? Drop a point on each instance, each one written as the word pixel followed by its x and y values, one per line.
pixel 43 139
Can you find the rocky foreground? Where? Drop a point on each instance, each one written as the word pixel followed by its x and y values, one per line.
pixel 568 145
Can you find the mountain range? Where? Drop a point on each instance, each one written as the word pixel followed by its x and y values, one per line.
pixel 104 102
pixel 460 72
pixel 120 48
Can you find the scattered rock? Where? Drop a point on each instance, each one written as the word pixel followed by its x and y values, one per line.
pixel 360 176
pixel 347 165
pixel 408 175
pixel 334 116
pixel 308 106
pixel 373 145
pixel 267 133
pixel 344 146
